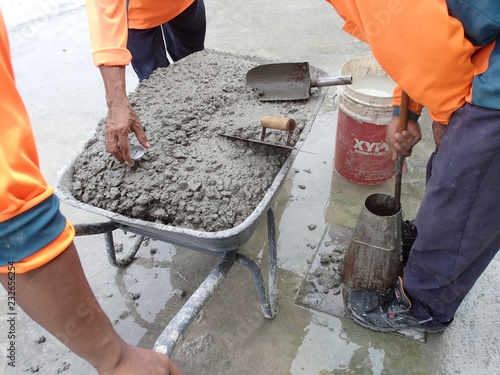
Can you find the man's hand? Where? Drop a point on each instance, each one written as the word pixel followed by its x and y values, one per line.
pixel 438 130
pixel 145 362
pixel 402 143
pixel 122 119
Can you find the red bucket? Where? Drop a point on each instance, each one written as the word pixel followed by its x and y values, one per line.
pixel 361 154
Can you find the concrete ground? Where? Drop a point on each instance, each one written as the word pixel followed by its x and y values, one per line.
pixel 65 98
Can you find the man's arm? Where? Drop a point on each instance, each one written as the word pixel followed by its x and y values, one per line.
pixel 108 30
pixel 58 297
pixel 122 119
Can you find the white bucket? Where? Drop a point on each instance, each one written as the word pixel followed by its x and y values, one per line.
pixel 365 110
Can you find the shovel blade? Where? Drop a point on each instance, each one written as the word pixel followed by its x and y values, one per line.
pixel 282 81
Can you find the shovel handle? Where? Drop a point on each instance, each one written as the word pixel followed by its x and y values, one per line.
pixel 280 123
pixel 331 81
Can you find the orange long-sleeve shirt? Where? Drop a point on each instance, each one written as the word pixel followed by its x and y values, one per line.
pixel 422 47
pixel 108 25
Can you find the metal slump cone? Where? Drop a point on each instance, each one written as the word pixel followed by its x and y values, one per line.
pixel 373 259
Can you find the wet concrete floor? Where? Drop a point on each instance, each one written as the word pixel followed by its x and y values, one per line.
pixel 65 98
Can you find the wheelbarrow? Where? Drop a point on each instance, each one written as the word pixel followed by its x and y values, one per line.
pixel 222 244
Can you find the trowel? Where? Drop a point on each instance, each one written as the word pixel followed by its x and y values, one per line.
pixel 258 142
pixel 288 81
pixel 272 122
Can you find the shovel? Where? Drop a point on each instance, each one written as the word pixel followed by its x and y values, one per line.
pixel 288 81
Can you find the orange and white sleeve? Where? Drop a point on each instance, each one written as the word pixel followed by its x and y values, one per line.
pixel 108 30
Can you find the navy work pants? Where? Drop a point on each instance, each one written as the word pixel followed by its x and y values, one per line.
pixel 179 37
pixel 459 218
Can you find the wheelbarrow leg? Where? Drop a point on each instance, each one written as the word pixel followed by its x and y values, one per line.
pixel 269 305
pixel 273 262
pixel 107 229
pixel 165 344
pixel 110 249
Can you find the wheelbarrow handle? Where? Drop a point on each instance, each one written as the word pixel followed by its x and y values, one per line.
pixel 331 81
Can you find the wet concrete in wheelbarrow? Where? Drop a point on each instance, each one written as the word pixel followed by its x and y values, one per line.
pixel 65 99
pixel 192 177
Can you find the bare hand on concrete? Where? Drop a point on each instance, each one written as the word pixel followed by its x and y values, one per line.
pixel 402 143
pixel 122 119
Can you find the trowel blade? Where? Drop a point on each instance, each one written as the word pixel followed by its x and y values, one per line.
pixel 260 142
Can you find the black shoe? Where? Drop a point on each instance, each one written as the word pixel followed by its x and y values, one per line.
pixel 409 234
pixel 386 311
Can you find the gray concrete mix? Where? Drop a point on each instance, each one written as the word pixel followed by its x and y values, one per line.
pixel 65 98
pixel 193 176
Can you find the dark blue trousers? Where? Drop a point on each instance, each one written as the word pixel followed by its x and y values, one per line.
pixel 459 219
pixel 179 37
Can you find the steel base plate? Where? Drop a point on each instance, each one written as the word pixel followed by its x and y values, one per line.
pixel 313 295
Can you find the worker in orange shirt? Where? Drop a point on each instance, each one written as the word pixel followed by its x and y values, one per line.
pixel 143 33
pixel 445 55
pixel 39 264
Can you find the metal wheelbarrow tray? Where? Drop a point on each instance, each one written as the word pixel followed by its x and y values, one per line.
pixel 223 243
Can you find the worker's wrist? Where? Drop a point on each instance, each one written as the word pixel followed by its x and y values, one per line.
pixel 411 115
pixel 114 85
pixel 117 101
pixel 111 355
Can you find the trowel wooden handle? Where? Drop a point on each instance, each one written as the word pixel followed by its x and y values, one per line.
pixel 280 123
